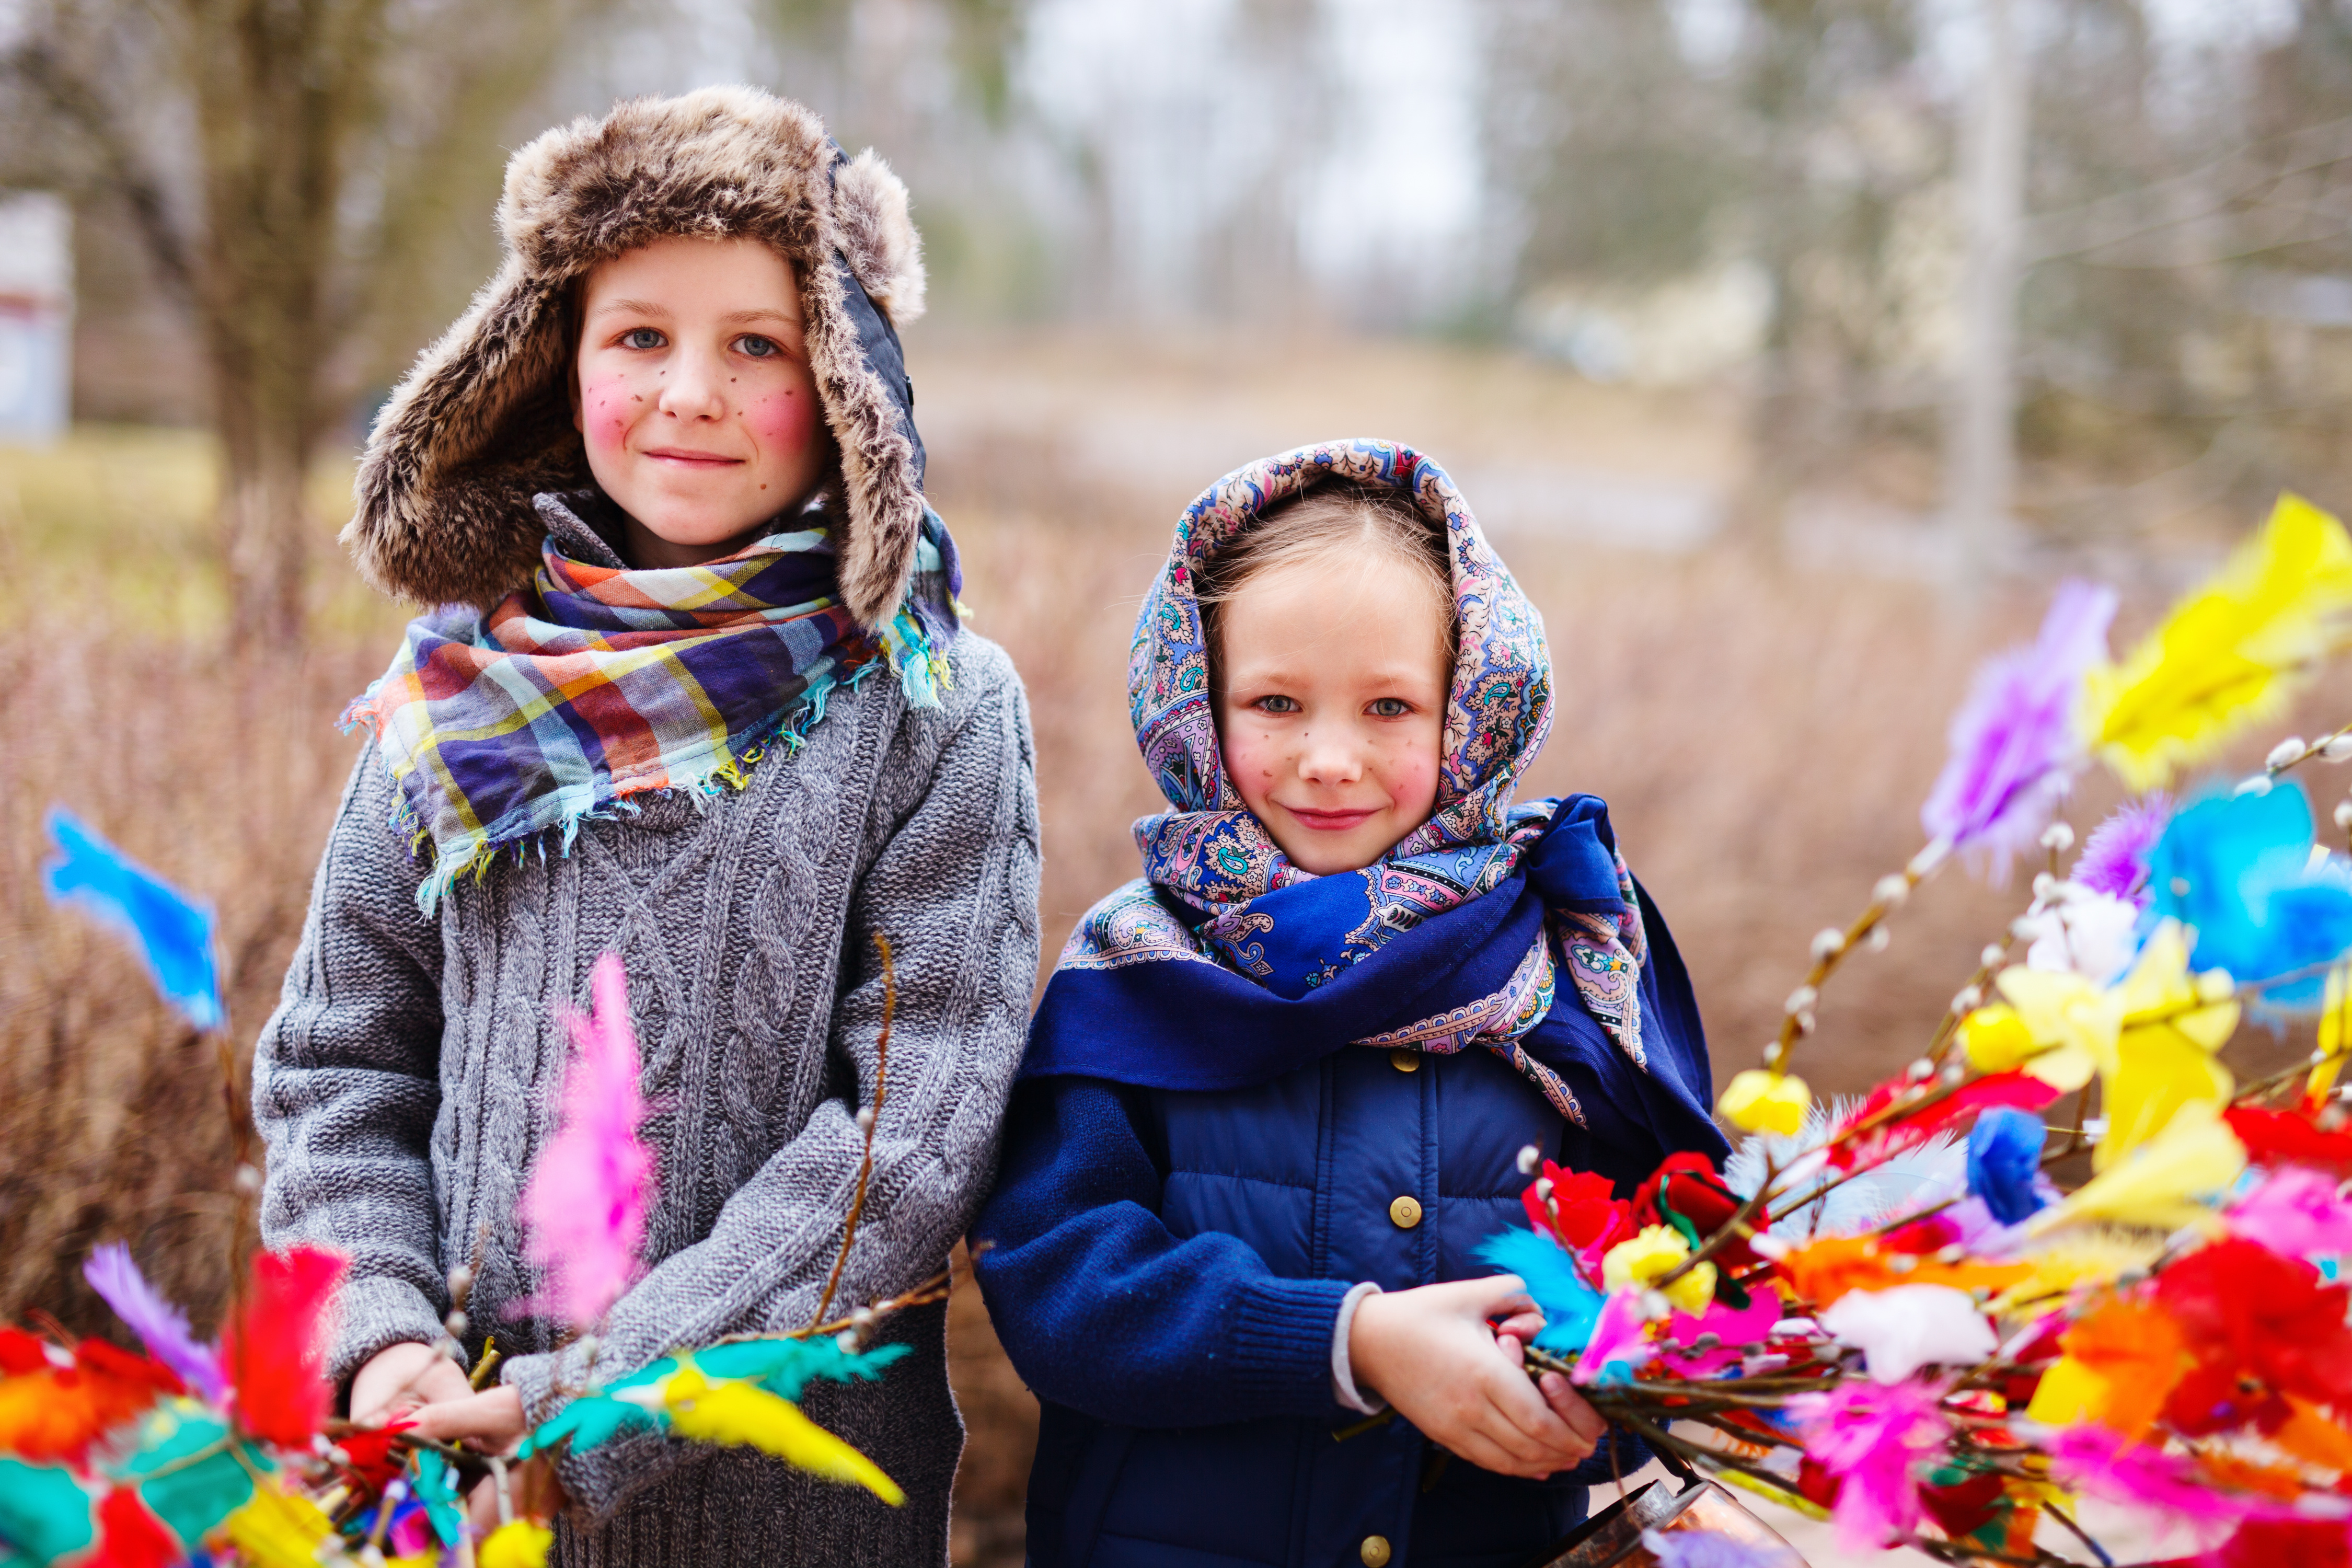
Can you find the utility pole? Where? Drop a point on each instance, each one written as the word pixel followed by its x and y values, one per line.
pixel 1980 434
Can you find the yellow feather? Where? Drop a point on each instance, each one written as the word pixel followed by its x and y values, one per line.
pixel 748 1416
pixel 2335 1034
pixel 517 1543
pixel 2228 654
pixel 2195 1156
pixel 2084 1256
pixel 279 1530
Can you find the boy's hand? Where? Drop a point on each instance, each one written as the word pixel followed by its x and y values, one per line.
pixel 491 1422
pixel 1431 1352
pixel 399 1378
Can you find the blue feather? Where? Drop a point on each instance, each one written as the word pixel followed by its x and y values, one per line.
pixel 1570 1305
pixel 171 934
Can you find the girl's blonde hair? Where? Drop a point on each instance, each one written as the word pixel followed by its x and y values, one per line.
pixel 1336 521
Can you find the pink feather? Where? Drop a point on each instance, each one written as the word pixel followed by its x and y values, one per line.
pixel 2090 1459
pixel 1873 1438
pixel 583 1213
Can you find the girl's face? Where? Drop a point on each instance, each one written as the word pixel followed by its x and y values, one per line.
pixel 694 395
pixel 1331 707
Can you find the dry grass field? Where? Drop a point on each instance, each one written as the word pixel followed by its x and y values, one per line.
pixel 1764 730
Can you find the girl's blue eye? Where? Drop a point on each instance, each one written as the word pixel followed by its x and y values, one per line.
pixel 1391 707
pixel 641 338
pixel 1277 704
pixel 758 347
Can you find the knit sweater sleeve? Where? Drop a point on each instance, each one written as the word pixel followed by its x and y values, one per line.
pixel 1104 1310
pixel 953 889
pixel 346 1085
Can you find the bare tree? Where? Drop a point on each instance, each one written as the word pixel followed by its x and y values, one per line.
pixel 292 167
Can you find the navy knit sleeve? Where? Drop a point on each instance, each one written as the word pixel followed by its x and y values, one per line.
pixel 1103 1310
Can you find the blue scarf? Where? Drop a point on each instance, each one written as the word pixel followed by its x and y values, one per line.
pixel 1225 966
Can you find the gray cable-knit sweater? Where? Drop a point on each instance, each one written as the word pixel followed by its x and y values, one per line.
pixel 404 1087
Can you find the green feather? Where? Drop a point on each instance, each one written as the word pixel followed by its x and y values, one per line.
pixel 44 1513
pixel 194 1499
pixel 431 1481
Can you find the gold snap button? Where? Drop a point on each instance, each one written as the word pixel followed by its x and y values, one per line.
pixel 1405 1212
pixel 1374 1551
pixel 1404 1060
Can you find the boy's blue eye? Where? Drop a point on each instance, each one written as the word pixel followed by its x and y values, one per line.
pixel 1391 707
pixel 641 338
pixel 1277 704
pixel 758 347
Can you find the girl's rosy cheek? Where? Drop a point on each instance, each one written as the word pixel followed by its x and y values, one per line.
pixel 607 410
pixel 783 421
pixel 1414 776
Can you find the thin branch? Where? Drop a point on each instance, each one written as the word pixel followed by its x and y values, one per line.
pixel 873 1124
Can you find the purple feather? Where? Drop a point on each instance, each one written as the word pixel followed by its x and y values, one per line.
pixel 161 1327
pixel 2013 743
pixel 2115 856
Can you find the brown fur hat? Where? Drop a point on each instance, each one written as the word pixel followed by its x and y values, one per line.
pixel 483 421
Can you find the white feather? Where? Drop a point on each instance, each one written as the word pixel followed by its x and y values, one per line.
pixel 1917 1179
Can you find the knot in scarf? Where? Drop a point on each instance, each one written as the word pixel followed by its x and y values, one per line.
pixel 1217 890
pixel 598 683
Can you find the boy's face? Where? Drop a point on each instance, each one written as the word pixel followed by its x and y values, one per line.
pixel 1331 706
pixel 694 395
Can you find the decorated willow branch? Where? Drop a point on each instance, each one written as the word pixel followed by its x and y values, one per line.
pixel 227 1453
pixel 1888 1313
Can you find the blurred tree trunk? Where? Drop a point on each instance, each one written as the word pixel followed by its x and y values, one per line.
pixel 1980 449
pixel 277 86
pixel 295 167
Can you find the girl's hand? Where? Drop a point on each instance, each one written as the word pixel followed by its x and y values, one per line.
pixel 1431 1352
pixel 400 1378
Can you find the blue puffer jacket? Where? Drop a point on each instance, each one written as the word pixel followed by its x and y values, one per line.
pixel 1166 1267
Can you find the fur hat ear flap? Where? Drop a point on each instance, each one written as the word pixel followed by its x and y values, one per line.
pixel 878 237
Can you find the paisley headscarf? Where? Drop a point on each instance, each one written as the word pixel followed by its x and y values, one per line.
pixel 1218 891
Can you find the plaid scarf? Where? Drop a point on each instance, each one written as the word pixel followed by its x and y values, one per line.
pixel 597 683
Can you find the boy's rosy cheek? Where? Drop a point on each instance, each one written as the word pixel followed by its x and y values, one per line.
pixel 607 410
pixel 782 421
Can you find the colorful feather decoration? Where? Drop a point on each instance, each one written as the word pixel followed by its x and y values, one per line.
pixel 585 1210
pixel 132 1537
pixel 58 1405
pixel 161 1327
pixel 517 1543
pixel 172 933
pixel 44 1512
pixel 743 1414
pixel 2014 745
pixel 2228 655
pixel 782 1366
pixel 276 1346
pixel 2115 856
pixel 1570 1305
pixel 279 1529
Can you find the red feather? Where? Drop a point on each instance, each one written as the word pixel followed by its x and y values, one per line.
pixel 1883 1142
pixel 374 1458
pixel 130 1536
pixel 56 1412
pixel 2288 1138
pixel 276 1346
pixel 21 1353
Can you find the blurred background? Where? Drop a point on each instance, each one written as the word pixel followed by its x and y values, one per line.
pixel 1790 350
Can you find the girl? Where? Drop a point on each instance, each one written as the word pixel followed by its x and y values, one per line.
pixel 719 715
pixel 1279 1090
